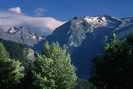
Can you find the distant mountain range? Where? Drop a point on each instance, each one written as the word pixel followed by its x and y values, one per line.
pixel 21 35
pixel 85 37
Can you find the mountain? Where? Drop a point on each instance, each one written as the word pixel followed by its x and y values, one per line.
pixel 24 29
pixel 86 37
pixel 20 34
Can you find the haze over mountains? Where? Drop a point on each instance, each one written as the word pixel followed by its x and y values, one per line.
pixel 15 17
pixel 84 36
pixel 16 26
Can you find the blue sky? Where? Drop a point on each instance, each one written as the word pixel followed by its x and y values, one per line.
pixel 66 9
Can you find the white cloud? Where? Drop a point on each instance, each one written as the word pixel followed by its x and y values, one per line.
pixel 43 25
pixel 16 10
pixel 40 11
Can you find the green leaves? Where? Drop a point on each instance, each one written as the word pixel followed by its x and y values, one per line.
pixel 51 70
pixel 11 72
pixel 3 52
pixel 54 70
pixel 113 69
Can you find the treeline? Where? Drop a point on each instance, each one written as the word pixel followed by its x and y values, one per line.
pixel 114 69
pixel 25 69
pixel 22 68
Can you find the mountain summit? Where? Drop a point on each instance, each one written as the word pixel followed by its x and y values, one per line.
pixel 86 37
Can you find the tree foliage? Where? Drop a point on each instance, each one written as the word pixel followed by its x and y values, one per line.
pixel 54 70
pixel 113 69
pixel 3 51
pixel 84 84
pixel 11 72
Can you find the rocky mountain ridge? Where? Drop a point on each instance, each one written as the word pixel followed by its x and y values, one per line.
pixel 20 34
pixel 86 37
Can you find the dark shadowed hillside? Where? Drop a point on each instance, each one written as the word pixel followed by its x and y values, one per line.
pixel 86 37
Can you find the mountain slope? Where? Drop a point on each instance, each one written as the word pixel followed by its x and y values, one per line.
pixel 86 37
pixel 20 34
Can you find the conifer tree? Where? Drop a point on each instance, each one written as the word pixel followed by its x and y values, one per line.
pixel 11 72
pixel 113 69
pixel 54 70
pixel 3 52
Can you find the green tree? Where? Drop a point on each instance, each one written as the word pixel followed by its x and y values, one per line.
pixel 54 70
pixel 3 52
pixel 11 72
pixel 113 69
pixel 28 58
pixel 84 84
pixel 14 49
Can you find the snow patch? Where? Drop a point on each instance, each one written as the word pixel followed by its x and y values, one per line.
pixel 96 20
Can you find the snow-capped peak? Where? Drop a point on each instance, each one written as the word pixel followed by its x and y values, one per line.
pixel 96 20
pixel 12 30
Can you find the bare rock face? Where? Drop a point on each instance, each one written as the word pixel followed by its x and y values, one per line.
pixel 21 35
pixel 86 37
